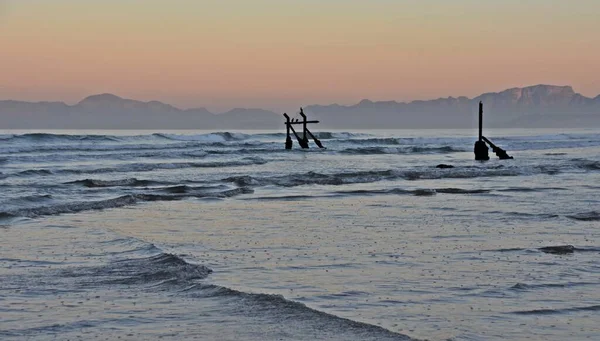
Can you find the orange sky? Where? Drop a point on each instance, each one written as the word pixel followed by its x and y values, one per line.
pixel 279 54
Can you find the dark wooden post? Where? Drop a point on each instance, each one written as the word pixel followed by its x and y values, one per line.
pixel 288 138
pixel 304 133
pixel 481 149
pixel 480 121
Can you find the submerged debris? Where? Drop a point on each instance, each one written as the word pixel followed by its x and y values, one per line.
pixel 444 166
pixel 558 250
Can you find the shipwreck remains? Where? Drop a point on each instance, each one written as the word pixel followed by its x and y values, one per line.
pixel 481 148
pixel 302 139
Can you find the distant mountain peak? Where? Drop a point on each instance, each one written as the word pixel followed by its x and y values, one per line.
pixel 550 87
pixel 550 90
pixel 535 95
pixel 106 97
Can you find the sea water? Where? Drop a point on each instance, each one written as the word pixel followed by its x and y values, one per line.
pixel 181 235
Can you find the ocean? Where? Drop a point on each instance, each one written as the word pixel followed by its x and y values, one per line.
pixel 195 235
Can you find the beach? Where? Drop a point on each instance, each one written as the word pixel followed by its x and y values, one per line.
pixel 177 235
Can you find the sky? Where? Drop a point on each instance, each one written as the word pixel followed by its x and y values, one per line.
pixel 280 54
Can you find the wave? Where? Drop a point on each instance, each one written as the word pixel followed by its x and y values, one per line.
pixel 294 314
pixel 30 199
pixel 133 182
pixel 557 311
pixel 208 138
pixel 242 151
pixel 48 137
pixel 130 182
pixel 186 152
pixel 221 136
pixel 96 147
pixel 556 249
pixel 143 167
pixel 402 150
pixel 421 173
pixel 134 149
pixel 586 216
pixel 7 215
pixel 416 192
pixel 531 189
pixel 140 271
pixel 379 141
pixel 172 273
pixel 180 189
pixel 31 172
pixel 236 136
pixel 527 287
pixel 123 155
pixel 589 165
pixel 291 197
pixel 328 135
pixel 529 215
pixel 313 178
pixel 122 201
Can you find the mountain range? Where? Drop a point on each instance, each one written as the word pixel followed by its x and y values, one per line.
pixel 538 106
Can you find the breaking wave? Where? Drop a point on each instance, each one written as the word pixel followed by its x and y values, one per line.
pixel 160 268
pixel 586 216
pixel 144 167
pixel 47 137
pixel 174 274
pixel 421 173
pixel 131 182
pixel 30 199
pixel 326 135
pixel 415 192
pixel 125 200
pixel 330 326
pixel 313 178
pixel 588 164
pixel 207 138
pixel 402 150
pixel 180 189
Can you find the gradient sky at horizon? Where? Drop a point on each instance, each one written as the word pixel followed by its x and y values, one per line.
pixel 280 54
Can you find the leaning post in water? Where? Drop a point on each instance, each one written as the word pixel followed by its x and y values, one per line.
pixel 304 128
pixel 288 139
pixel 481 149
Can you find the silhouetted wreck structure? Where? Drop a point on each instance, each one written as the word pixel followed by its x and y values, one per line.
pixel 481 148
pixel 302 140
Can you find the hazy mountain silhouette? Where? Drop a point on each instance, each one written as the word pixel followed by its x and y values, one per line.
pixel 534 106
pixel 108 111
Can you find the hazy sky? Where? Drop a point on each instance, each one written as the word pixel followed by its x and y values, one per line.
pixel 279 54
